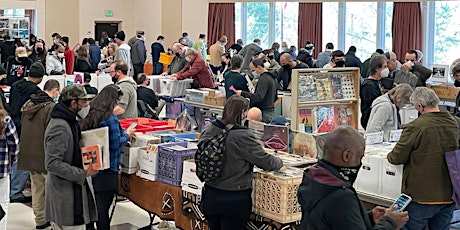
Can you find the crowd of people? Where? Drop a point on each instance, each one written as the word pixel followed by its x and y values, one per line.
pixel 48 123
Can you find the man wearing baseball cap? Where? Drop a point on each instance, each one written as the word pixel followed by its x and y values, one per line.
pixel 68 199
pixel 17 66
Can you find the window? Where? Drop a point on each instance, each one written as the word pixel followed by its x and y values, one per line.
pixel 330 24
pixel 388 26
pixel 361 28
pixel 446 32
pixel 286 23
pixel 268 21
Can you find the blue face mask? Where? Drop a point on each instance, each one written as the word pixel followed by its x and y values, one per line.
pixel 255 74
pixel 56 99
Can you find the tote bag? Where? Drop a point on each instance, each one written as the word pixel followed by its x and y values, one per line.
pixel 453 164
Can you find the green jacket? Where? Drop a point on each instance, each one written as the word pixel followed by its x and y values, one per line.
pixel 421 149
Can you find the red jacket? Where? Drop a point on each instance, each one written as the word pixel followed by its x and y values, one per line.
pixel 69 57
pixel 197 70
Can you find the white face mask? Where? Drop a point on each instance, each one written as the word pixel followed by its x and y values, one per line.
pixel 266 64
pixel 385 72
pixel 60 55
pixel 187 59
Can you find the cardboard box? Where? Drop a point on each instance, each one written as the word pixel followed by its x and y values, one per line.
pixel 369 176
pixel 145 139
pixel 391 179
pixel 128 160
pixel 147 159
pixel 218 101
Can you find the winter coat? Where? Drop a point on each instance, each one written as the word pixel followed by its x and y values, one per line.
pixel 384 116
pixel 35 117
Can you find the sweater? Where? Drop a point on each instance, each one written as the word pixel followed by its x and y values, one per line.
pixel 198 71
pixel 69 57
pixel 177 64
pixel 148 96
pixel 216 51
pixel 138 52
pixel 236 80
pixel 421 149
pixel 242 152
pixel 383 117
pixel 129 99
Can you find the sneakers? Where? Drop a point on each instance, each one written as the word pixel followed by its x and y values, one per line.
pixel 43 226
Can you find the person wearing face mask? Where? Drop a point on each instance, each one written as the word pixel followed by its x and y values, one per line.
pixel 215 52
pixel 337 60
pixel 157 48
pixel 226 201
pixel 288 64
pixel 371 87
pixel 326 194
pixel 127 106
pixel 305 55
pixel 226 64
pixel 139 54
pixel 38 52
pixel 36 114
pixel 412 65
pixel 196 69
pixel 178 62
pixel 266 91
pixel 69 202
pixel 276 52
pixel 269 60
pixel 55 63
pixel 351 60
pixel 18 66
pixel 385 110
pixel 248 51
pixel 2 93
pixel 421 149
pixel 201 47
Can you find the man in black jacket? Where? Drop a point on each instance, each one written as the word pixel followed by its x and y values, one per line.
pixel 266 92
pixel 287 65
pixel 327 196
pixel 371 86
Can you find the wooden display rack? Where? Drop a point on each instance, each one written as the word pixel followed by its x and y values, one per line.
pixel 316 90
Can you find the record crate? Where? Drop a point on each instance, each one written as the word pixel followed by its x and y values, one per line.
pixel 171 157
pixel 275 195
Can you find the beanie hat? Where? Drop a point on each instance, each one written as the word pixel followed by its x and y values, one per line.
pixel 120 35
pixel 36 70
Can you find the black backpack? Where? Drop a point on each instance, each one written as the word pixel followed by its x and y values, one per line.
pixel 209 157
pixel 144 110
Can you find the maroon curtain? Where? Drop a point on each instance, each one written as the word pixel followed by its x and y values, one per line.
pixel 407 27
pixel 31 15
pixel 311 25
pixel 221 21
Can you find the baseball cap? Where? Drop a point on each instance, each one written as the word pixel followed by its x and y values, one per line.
pixel 75 91
pixel 21 52
pixel 120 35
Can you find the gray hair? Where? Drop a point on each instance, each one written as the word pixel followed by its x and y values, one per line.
pixel 375 63
pixel 425 97
pixel 401 93
pixel 192 51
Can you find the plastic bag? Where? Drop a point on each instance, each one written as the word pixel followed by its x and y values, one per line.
pixel 185 122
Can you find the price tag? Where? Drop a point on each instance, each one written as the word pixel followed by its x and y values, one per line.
pixel 374 138
pixel 395 135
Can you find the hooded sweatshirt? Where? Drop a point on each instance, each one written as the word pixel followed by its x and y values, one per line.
pixel 328 201
pixel 384 116
pixel 36 114
pixel 129 99
pixel 20 93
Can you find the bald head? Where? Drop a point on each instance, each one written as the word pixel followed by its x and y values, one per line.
pixel 285 59
pixel 344 147
pixel 254 114
pixel 177 47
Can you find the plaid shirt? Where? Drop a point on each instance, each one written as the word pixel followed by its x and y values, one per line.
pixel 117 139
pixel 9 147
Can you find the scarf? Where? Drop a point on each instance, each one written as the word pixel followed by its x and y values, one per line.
pixel 61 111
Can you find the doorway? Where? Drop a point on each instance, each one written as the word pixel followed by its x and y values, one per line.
pixel 110 27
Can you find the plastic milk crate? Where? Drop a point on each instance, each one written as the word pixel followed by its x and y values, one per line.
pixel 171 157
pixel 276 195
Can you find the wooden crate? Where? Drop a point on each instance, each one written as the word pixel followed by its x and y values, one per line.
pixel 275 195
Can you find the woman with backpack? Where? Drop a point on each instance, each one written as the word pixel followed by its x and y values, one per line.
pixel 105 183
pixel 227 201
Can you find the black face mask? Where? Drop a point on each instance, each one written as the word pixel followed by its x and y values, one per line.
pixel 340 64
pixel 287 67
pixel 457 83
pixel 178 54
pixel 115 79
pixel 271 57
pixel 39 50
pixel 348 173
pixel 22 59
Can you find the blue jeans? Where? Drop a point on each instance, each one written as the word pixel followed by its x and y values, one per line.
pixel 18 181
pixel 436 216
